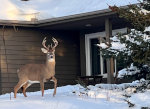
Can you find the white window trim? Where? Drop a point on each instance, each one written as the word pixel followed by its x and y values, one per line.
pixel 88 50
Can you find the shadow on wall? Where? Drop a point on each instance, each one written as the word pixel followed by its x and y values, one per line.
pixel 61 51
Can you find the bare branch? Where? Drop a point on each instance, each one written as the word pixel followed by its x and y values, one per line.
pixel 104 41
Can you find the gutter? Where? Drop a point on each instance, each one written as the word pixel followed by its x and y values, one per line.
pixel 17 23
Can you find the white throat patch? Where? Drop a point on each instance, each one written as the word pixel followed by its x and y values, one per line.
pixel 51 60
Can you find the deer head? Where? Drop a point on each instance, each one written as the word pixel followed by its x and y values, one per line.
pixel 50 49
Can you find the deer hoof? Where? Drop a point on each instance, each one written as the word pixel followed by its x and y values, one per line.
pixel 54 95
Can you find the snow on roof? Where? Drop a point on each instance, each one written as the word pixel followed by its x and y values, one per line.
pixel 44 9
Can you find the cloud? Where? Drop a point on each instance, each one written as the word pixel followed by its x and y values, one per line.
pixel 15 10
pixel 8 10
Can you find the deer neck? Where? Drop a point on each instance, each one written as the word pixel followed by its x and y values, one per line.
pixel 50 63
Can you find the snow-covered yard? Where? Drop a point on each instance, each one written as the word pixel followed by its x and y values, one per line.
pixel 100 96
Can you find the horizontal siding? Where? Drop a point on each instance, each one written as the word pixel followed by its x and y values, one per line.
pixel 19 57
pixel 7 47
pixel 32 50
pixel 14 78
pixel 24 47
pixel 29 32
pixel 7 87
pixel 60 83
pixel 37 57
pixel 59 63
pixel 21 38
pixel 21 43
pixel 58 67
pixel 58 71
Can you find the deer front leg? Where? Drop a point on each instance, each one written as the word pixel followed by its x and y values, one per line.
pixel 55 85
pixel 42 87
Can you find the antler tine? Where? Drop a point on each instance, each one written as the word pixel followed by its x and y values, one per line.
pixel 55 42
pixel 43 43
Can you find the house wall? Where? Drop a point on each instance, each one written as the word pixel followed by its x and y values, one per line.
pixel 23 46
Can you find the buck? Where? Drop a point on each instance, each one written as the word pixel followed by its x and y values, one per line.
pixel 38 73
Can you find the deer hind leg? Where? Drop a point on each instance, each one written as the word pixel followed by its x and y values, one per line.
pixel 25 86
pixel 55 85
pixel 18 86
pixel 42 87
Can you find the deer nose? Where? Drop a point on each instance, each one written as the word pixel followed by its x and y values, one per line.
pixel 51 56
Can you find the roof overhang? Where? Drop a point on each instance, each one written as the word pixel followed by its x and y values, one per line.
pixel 79 21
pixel 76 17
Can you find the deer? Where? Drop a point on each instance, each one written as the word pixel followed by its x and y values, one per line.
pixel 38 73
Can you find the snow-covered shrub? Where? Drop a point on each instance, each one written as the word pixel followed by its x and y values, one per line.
pixel 135 73
pixel 143 85
pixel 145 72
pixel 132 70
pixel 128 88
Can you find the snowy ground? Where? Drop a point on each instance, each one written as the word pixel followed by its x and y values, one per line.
pixel 101 96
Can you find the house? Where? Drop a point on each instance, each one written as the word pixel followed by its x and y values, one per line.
pixel 76 54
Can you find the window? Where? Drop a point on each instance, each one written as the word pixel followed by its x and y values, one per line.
pixel 95 63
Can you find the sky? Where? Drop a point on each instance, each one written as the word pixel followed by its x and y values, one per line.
pixel 45 9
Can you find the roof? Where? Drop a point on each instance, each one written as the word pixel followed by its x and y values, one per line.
pixel 46 9
pixel 52 21
pixel 95 19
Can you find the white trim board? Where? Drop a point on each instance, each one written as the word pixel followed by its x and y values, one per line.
pixel 87 45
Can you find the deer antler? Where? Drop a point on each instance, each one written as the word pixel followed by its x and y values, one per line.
pixel 55 43
pixel 43 43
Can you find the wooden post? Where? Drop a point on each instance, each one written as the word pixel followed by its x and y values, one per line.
pixel 110 63
pixel 82 55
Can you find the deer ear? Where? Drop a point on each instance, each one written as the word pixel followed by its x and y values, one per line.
pixel 44 50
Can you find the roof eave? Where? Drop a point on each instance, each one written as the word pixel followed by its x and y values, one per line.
pixel 17 23
pixel 52 21
pixel 76 17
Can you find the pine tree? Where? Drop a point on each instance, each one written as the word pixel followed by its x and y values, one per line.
pixel 137 41
pixel 138 15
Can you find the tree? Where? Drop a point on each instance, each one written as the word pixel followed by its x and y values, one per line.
pixel 138 14
pixel 133 47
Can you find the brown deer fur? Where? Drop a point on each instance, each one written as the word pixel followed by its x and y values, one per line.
pixel 38 73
